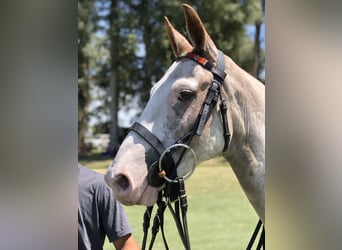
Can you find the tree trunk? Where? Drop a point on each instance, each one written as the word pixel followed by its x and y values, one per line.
pixel 114 137
pixel 256 54
pixel 149 47
pixel 83 115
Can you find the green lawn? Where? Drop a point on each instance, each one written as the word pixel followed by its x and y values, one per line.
pixel 219 214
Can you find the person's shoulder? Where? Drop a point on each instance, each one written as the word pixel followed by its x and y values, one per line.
pixel 89 176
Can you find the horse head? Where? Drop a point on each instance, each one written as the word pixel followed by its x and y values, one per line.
pixel 171 111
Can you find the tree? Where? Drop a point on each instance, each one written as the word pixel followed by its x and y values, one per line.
pixel 85 27
pixel 139 53
pixel 118 74
pixel 254 10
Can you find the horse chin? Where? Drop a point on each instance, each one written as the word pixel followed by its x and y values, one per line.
pixel 149 197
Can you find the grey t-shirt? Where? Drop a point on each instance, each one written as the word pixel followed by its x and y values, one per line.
pixel 99 214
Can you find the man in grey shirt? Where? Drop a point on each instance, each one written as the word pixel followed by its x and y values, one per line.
pixel 99 214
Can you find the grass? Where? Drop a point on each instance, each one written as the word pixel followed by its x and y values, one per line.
pixel 97 162
pixel 219 214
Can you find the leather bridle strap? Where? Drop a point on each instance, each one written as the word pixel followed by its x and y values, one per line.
pixel 261 242
pixel 180 218
pixel 146 225
pixel 213 94
pixel 150 138
pixel 158 222
pixel 179 213
pixel 159 148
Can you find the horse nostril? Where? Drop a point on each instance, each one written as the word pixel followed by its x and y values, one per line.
pixel 121 182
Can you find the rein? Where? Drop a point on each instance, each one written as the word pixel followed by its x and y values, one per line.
pixel 164 170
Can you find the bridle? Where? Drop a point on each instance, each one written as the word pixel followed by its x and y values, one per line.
pixel 163 168
pixel 166 163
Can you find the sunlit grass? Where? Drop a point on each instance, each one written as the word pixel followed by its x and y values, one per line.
pixel 97 162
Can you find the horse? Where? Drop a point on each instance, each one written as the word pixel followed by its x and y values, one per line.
pixel 176 102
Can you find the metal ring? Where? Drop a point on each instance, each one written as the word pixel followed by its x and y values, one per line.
pixel 168 151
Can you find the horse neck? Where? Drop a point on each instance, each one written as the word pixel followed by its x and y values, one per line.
pixel 246 115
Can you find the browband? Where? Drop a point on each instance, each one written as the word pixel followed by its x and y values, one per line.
pixel 218 71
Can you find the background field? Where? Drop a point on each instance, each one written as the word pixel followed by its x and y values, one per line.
pixel 219 215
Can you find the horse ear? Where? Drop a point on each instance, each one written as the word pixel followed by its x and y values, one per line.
pixel 198 34
pixel 179 44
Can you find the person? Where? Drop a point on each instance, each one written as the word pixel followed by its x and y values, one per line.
pixel 100 215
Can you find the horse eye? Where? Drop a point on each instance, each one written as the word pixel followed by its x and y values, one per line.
pixel 185 95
